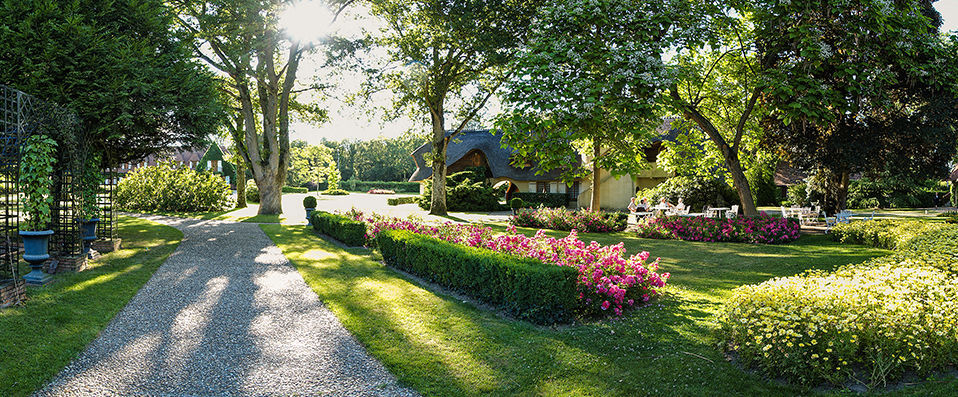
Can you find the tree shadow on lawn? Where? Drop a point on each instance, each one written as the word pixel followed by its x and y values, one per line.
pixel 443 346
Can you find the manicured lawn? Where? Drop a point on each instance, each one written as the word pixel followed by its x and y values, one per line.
pixel 193 215
pixel 60 319
pixel 442 346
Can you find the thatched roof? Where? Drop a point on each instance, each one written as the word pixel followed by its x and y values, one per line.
pixel 498 157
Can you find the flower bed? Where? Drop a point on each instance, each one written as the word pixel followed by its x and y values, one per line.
pixel 869 322
pixel 381 191
pixel 607 280
pixel 761 229
pixel 566 219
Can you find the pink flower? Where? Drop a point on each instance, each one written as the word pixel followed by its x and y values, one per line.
pixel 605 305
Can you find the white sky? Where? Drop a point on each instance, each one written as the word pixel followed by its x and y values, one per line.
pixel 352 122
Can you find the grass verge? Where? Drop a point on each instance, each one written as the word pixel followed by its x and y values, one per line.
pixel 442 346
pixel 60 319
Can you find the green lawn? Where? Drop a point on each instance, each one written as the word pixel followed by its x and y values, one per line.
pixel 205 215
pixel 442 346
pixel 60 319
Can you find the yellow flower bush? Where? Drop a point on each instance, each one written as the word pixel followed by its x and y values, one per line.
pixel 869 322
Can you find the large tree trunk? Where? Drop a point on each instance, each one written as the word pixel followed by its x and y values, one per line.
pixel 270 196
pixel 741 184
pixel 439 144
pixel 240 182
pixel 596 203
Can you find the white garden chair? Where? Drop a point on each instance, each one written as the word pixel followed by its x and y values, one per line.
pixel 732 212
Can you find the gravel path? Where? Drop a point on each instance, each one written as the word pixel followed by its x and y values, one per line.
pixel 226 315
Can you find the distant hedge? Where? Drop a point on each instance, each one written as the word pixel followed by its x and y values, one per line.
pixel 348 231
pixel 551 200
pixel 293 189
pixel 364 186
pixel 403 200
pixel 525 287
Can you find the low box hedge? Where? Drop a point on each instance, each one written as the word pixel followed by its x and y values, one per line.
pixel 363 186
pixel 529 289
pixel 552 200
pixel 403 200
pixel 294 189
pixel 348 231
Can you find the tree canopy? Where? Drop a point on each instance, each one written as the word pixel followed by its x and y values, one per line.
pixel 119 64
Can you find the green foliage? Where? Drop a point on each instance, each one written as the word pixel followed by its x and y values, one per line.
pixel 466 191
pixel 525 287
pixel 379 159
pixel 309 202
pixel 293 189
pixel 893 193
pixel 168 187
pixel 562 218
pixel 36 171
pixel 252 191
pixel 534 200
pixel 694 192
pixel 402 200
pixel 355 185
pixel 335 192
pixel 310 163
pixel 118 64
pixel 873 321
pixel 348 231
pixel 90 182
pixel 798 194
pixel 515 203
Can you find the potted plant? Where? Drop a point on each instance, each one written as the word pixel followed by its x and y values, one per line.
pixel 36 167
pixel 516 203
pixel 89 214
pixel 310 204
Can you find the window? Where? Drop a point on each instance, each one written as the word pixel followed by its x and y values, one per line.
pixel 542 187
pixel 219 166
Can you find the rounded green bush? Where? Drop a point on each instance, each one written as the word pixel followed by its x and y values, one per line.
pixel 167 187
pixel 516 203
pixel 335 192
pixel 252 191
pixel 309 202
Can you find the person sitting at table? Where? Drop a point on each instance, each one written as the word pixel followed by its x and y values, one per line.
pixel 633 204
pixel 663 203
pixel 644 205
pixel 680 206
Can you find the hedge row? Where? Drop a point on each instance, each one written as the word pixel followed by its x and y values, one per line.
pixel 871 322
pixel 403 200
pixel 525 287
pixel 348 231
pixel 363 186
pixel 551 200
pixel 293 189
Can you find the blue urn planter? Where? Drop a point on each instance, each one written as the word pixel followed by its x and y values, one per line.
pixel 35 252
pixel 309 216
pixel 88 234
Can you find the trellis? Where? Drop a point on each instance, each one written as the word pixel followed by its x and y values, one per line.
pixel 22 116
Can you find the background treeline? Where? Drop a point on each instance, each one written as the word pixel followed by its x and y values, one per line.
pixel 379 159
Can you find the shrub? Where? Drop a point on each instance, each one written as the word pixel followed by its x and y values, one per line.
pixel 873 321
pixel 607 278
pixel 525 287
pixel 893 193
pixel 293 189
pixel 761 229
pixel 348 231
pixel 515 203
pixel 167 187
pixel 309 202
pixel 534 200
pixel 380 191
pixel 335 192
pixel 883 233
pixel 402 200
pixel 466 191
pixel 565 219
pixel 695 192
pixel 36 171
pixel 355 185
pixel 798 195
pixel 252 191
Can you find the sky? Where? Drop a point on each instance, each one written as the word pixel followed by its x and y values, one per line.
pixel 355 122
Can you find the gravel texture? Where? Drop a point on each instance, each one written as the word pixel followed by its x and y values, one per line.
pixel 226 315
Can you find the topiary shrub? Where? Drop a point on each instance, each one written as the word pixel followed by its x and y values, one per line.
pixel 348 231
pixel 402 200
pixel 694 192
pixel 309 202
pixel 515 203
pixel 294 189
pixel 466 191
pixel 335 192
pixel 167 187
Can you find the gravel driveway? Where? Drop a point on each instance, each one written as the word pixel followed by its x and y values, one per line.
pixel 226 315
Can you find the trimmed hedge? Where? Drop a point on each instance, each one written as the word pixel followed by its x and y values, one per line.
pixel 527 288
pixel 348 231
pixel 403 200
pixel 293 189
pixel 363 186
pixel 551 200
pixel 334 192
pixel 871 322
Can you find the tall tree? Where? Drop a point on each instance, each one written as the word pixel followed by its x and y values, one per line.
pixel 310 163
pixel 459 52
pixel 131 79
pixel 879 98
pixel 587 82
pixel 242 40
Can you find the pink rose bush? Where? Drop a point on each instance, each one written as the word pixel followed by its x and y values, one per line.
pixel 566 219
pixel 761 229
pixel 608 280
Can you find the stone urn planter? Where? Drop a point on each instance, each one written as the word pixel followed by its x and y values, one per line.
pixel 88 234
pixel 36 251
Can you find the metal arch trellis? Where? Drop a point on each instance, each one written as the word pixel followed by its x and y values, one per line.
pixel 24 115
